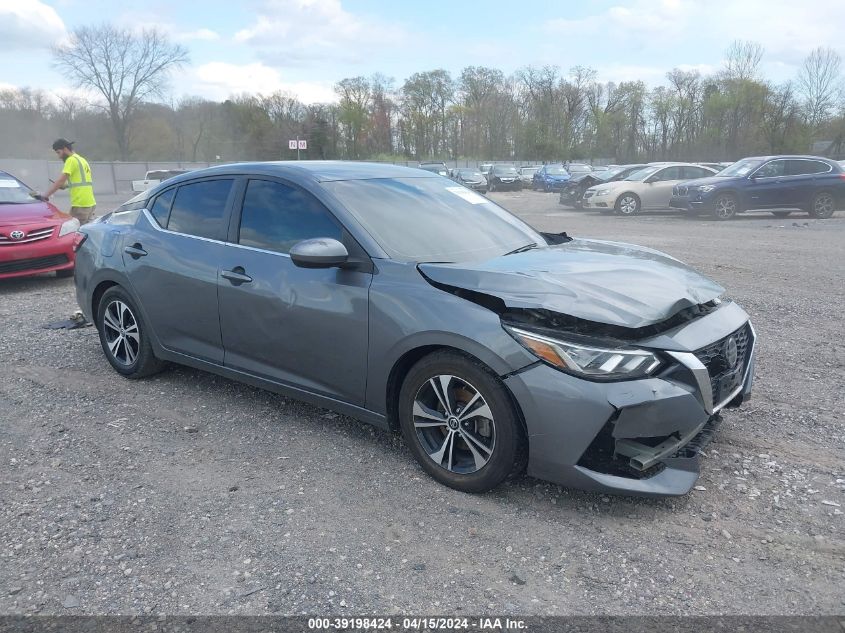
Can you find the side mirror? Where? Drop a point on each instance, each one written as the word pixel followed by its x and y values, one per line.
pixel 320 252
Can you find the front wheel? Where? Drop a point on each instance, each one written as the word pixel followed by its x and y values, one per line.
pixel 823 205
pixel 124 335
pixel 459 422
pixel 725 207
pixel 628 204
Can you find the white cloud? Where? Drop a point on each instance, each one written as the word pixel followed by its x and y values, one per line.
pixel 29 24
pixel 219 80
pixel 300 32
pixel 206 35
pixel 683 31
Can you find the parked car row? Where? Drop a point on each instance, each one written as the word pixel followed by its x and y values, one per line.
pixel 647 188
pixel 780 184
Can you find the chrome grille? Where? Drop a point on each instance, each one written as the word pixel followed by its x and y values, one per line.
pixel 724 378
pixel 33 235
pixel 682 191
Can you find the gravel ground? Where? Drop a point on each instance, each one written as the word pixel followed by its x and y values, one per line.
pixel 187 493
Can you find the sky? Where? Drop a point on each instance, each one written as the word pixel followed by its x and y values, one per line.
pixel 305 46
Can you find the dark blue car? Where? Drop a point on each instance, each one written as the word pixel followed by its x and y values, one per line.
pixel 550 178
pixel 780 184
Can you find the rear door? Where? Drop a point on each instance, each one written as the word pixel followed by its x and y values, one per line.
pixel 658 191
pixel 807 176
pixel 303 327
pixel 171 257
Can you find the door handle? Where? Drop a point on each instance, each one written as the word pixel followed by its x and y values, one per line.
pixel 135 251
pixel 236 276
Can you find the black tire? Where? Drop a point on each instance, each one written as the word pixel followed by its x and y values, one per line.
pixel 503 430
pixel 133 357
pixel 628 204
pixel 823 205
pixel 64 274
pixel 725 207
pixel 781 214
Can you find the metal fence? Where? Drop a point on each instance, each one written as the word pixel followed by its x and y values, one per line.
pixel 117 177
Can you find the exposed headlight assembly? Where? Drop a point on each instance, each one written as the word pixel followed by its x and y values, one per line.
pixel 595 363
pixel 602 192
pixel 706 188
pixel 69 226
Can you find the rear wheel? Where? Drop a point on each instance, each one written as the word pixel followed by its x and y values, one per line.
pixel 823 205
pixel 781 214
pixel 628 204
pixel 459 422
pixel 124 335
pixel 725 207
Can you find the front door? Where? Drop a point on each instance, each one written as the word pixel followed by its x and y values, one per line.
pixel 771 187
pixel 303 327
pixel 658 190
pixel 171 258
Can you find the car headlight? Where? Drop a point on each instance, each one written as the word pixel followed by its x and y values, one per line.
pixel 706 188
pixel 596 363
pixel 602 192
pixel 69 226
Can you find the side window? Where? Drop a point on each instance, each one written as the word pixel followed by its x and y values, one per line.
pixel 276 216
pixel 772 169
pixel 200 209
pixel 805 167
pixel 691 173
pixel 161 207
pixel 670 173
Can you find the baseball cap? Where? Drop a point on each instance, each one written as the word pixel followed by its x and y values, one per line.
pixel 61 143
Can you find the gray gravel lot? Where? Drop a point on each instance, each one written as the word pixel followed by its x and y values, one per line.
pixel 188 493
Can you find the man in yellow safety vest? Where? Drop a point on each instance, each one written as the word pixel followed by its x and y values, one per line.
pixel 76 176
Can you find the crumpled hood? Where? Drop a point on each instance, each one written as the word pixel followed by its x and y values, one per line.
pixel 606 282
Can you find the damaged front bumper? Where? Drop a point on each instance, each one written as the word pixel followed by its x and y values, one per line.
pixel 640 437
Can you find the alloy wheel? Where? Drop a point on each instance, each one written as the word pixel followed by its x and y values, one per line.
pixel 628 205
pixel 454 424
pixel 823 206
pixel 725 208
pixel 120 328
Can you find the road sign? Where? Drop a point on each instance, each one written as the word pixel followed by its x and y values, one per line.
pixel 303 144
pixel 292 144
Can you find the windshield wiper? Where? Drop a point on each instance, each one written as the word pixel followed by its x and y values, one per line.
pixel 521 249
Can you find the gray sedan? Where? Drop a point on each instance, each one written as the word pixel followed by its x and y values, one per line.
pixel 411 302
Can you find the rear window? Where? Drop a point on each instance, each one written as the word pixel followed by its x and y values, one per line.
pixel 200 208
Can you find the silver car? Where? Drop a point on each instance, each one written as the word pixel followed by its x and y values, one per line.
pixel 401 298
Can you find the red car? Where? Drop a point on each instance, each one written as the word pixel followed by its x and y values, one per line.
pixel 35 237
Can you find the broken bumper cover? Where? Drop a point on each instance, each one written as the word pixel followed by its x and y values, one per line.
pixel 640 437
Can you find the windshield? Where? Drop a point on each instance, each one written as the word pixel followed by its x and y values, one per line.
pixel 528 170
pixel 505 170
pixel 645 172
pixel 581 169
pixel 556 170
pixel 431 220
pixel 470 173
pixel 740 168
pixel 13 191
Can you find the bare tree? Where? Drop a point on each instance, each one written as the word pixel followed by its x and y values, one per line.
pixel 820 82
pixel 743 58
pixel 122 66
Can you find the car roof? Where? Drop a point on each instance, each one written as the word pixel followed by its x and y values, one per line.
pixel 804 156
pixel 314 170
